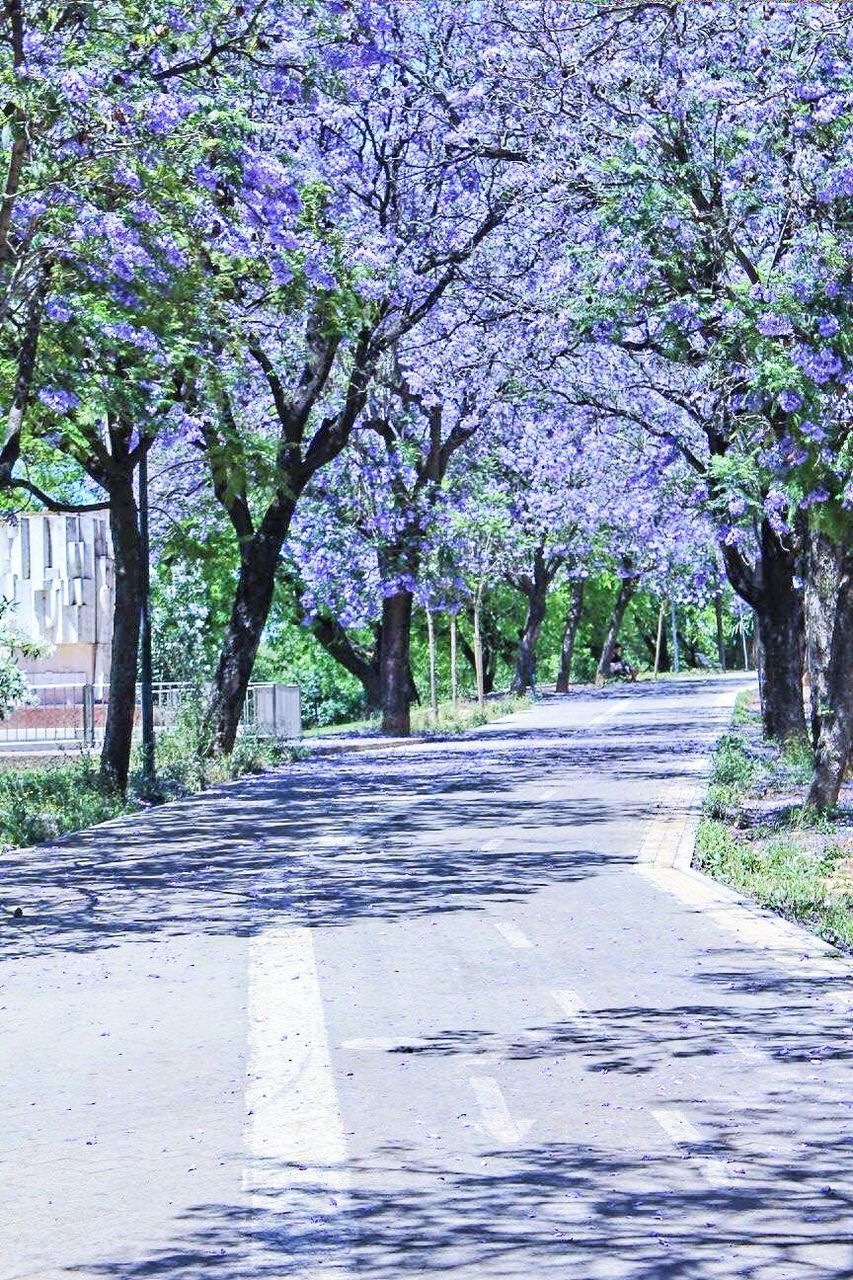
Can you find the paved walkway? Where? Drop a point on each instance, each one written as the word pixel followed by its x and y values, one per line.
pixel 422 1013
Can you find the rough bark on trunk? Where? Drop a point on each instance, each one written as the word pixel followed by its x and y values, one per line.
pixel 454 675
pixel 249 612
pixel 570 631
pixel 524 676
pixel 829 632
pixel 777 602
pixel 394 664
pixel 535 587
pixel 121 708
pixel 623 599
pixel 479 671
pixel 780 622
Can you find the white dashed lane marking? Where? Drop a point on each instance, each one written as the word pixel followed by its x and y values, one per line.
pixel 512 934
pixel 683 1133
pixel 570 1003
pixel 494 1112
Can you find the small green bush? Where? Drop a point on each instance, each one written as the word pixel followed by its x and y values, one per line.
pixel 43 802
pixel 733 766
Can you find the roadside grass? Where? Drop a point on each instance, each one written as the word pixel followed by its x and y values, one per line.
pixel 758 836
pixel 465 715
pixel 43 800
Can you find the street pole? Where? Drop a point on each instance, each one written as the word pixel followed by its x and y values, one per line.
pixel 721 640
pixel 659 641
pixel 146 668
pixel 675 663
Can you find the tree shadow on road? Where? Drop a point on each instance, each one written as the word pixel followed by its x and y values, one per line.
pixel 576 1211
pixel 388 835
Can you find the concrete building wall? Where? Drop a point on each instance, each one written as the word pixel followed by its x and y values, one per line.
pixel 57 572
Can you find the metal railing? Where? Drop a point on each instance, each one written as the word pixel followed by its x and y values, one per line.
pixel 61 713
pixel 75 713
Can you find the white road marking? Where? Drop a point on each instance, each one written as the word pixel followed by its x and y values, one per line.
pixel 676 1126
pixel 715 1172
pixel 494 1112
pixel 603 716
pixel 570 1002
pixel 387 1043
pixel 748 1051
pixel 512 934
pixel 789 944
pixel 293 1135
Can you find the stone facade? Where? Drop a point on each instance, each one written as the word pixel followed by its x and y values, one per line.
pixel 57 572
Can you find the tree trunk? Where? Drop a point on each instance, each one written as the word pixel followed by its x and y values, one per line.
pixel 249 613
pixel 829 631
pixel 777 603
pixel 570 631
pixel 121 708
pixel 478 655
pixel 525 662
pixel 623 599
pixel 394 664
pixel 535 588
pixel 659 639
pixel 780 623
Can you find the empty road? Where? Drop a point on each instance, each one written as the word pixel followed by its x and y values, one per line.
pixel 455 1009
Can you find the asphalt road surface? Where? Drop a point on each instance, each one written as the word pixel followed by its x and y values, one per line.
pixel 444 1010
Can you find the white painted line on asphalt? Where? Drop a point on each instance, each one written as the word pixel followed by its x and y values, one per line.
pixel 293 1135
pixel 512 934
pixel 570 1002
pixel 494 1112
pixel 387 1043
pixel 748 1051
pixel 676 1126
pixel 715 1172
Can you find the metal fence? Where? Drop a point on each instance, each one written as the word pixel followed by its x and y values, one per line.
pixel 75 714
pixel 270 710
pixel 60 713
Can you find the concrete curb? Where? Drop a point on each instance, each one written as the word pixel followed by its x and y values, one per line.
pixel 666 857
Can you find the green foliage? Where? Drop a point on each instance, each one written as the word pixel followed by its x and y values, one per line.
pixel 784 875
pixel 184 761
pixel 181 623
pixel 733 766
pixel 745 713
pixel 42 802
pixel 291 655
pixel 466 715
pixel 14 689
